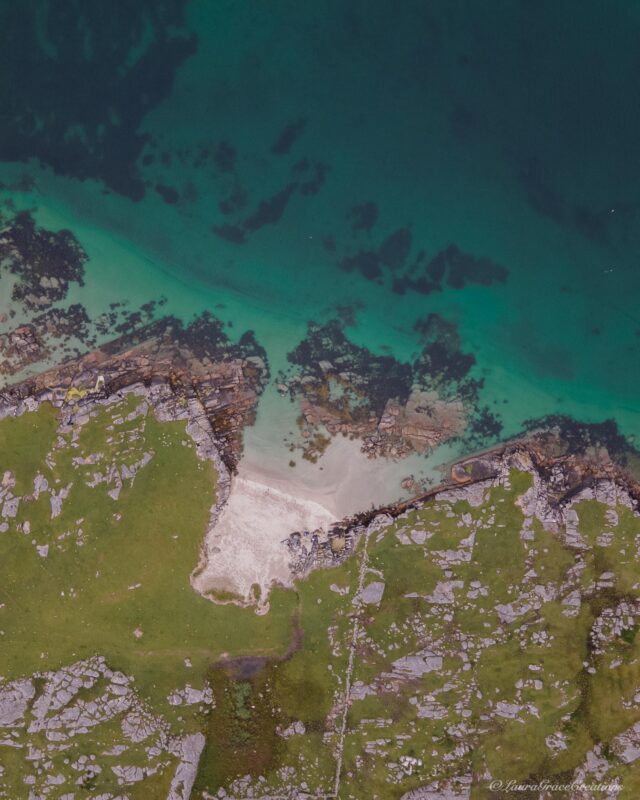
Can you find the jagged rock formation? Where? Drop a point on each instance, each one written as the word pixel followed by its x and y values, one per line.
pixel 196 361
pixel 394 407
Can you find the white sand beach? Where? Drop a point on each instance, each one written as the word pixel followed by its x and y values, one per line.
pixel 246 547
pixel 269 500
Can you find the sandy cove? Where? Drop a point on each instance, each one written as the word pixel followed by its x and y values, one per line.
pixel 246 543
pixel 245 552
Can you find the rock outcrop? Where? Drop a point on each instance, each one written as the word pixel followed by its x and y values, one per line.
pixel 193 362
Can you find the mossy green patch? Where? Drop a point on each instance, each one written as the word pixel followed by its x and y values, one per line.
pixel 24 444
pixel 130 571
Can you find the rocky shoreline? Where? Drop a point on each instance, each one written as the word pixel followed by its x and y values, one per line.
pixel 197 375
pixel 560 476
pixel 174 369
pixel 196 362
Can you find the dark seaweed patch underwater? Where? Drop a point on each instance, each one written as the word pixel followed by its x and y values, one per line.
pixel 447 160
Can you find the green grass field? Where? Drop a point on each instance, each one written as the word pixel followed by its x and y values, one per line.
pixel 77 602
pixel 115 583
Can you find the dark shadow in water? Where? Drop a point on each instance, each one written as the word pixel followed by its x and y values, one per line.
pixel 288 137
pixel 90 71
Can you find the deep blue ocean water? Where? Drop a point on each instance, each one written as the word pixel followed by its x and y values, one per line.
pixel 276 161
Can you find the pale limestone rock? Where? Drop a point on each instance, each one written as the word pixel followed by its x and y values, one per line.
pixel 372 593
pixel 14 700
pixel 627 745
pixel 416 665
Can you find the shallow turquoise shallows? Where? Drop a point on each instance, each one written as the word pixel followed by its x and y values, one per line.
pixel 296 136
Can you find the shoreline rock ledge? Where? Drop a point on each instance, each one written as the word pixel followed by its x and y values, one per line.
pixel 194 363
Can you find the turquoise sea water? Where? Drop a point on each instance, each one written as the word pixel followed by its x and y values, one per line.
pixel 507 129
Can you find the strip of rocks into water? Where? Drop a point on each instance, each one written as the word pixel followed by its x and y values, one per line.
pixel 560 479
